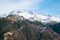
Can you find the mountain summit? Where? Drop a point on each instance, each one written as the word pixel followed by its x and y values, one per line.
pixel 32 16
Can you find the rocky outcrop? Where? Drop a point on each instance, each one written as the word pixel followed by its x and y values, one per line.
pixel 14 35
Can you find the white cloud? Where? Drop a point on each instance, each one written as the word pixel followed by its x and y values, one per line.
pixel 8 5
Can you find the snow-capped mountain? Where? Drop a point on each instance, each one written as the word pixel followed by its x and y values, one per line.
pixel 32 16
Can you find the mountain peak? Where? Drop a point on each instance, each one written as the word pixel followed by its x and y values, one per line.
pixel 32 16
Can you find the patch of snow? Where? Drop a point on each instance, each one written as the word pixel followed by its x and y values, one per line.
pixel 35 16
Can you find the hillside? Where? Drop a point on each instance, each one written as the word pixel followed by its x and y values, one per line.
pixel 13 27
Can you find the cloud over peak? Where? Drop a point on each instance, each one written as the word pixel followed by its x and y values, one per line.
pixel 7 5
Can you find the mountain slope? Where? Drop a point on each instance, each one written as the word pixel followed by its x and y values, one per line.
pixel 56 27
pixel 17 27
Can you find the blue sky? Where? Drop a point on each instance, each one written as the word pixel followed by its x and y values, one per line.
pixel 51 7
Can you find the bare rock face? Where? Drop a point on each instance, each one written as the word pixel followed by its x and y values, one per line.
pixel 14 35
pixel 8 36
